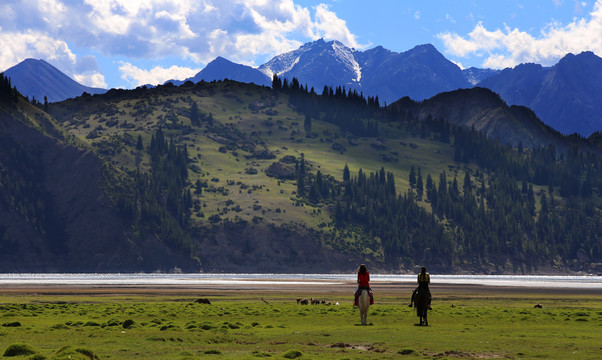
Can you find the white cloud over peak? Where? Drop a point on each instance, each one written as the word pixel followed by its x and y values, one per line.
pixel 17 47
pixel 329 26
pixel 507 47
pixel 158 75
pixel 245 31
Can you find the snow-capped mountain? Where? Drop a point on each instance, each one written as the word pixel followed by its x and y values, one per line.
pixel 418 73
pixel 318 64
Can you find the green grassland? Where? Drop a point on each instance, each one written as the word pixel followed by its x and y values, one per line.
pixel 250 325
pixel 257 114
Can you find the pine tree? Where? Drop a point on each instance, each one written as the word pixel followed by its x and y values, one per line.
pixel 467 187
pixel 307 123
pixel 412 177
pixel 301 177
pixel 194 114
pixel 276 82
pixel 419 185
pixel 346 175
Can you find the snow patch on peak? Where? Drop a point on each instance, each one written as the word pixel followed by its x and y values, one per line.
pixel 280 68
pixel 346 56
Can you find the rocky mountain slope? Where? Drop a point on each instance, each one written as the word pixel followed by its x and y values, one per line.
pixel 567 96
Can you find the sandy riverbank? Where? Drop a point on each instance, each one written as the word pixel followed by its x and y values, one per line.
pixel 319 288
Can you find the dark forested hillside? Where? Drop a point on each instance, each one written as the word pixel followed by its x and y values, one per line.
pixel 529 207
pixel 55 211
pixel 224 176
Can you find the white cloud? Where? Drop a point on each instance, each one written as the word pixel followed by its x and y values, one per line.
pixel 92 79
pixel 510 47
pixel 417 15
pixel 17 47
pixel 198 30
pixel 331 27
pixel 158 75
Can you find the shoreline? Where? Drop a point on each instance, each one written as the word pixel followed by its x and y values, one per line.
pixel 282 287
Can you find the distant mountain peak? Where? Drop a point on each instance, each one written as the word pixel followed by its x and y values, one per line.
pixel 36 78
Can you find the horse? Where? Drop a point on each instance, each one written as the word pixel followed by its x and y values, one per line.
pixel 364 305
pixel 421 302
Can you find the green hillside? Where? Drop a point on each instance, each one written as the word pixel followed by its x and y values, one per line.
pixel 239 177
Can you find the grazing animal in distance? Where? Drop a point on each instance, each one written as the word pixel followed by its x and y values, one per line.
pixel 304 302
pixel 538 306
pixel 203 301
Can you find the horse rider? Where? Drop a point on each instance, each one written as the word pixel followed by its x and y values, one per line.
pixel 424 279
pixel 363 283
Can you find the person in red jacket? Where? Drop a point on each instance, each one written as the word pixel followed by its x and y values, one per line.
pixel 363 283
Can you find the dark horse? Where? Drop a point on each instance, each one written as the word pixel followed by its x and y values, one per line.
pixel 421 302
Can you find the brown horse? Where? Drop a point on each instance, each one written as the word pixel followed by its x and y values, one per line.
pixel 421 302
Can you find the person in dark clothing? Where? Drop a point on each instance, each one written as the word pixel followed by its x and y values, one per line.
pixel 424 279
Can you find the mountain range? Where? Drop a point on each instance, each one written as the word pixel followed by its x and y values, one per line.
pixel 566 96
pixel 420 73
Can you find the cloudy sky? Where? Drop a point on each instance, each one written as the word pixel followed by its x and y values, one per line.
pixel 125 43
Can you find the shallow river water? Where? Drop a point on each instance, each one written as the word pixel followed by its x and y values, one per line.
pixel 535 281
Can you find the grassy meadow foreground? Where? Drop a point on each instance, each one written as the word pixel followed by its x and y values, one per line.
pixel 269 324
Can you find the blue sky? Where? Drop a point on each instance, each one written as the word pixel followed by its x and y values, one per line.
pixel 125 43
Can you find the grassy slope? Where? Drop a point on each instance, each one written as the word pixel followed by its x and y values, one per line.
pixel 239 326
pixel 230 104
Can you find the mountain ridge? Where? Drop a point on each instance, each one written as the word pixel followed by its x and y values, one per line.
pixel 567 96
pixel 221 68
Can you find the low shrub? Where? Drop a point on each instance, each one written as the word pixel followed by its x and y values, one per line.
pixel 128 323
pixel 18 350
pixel 292 354
pixel 12 324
